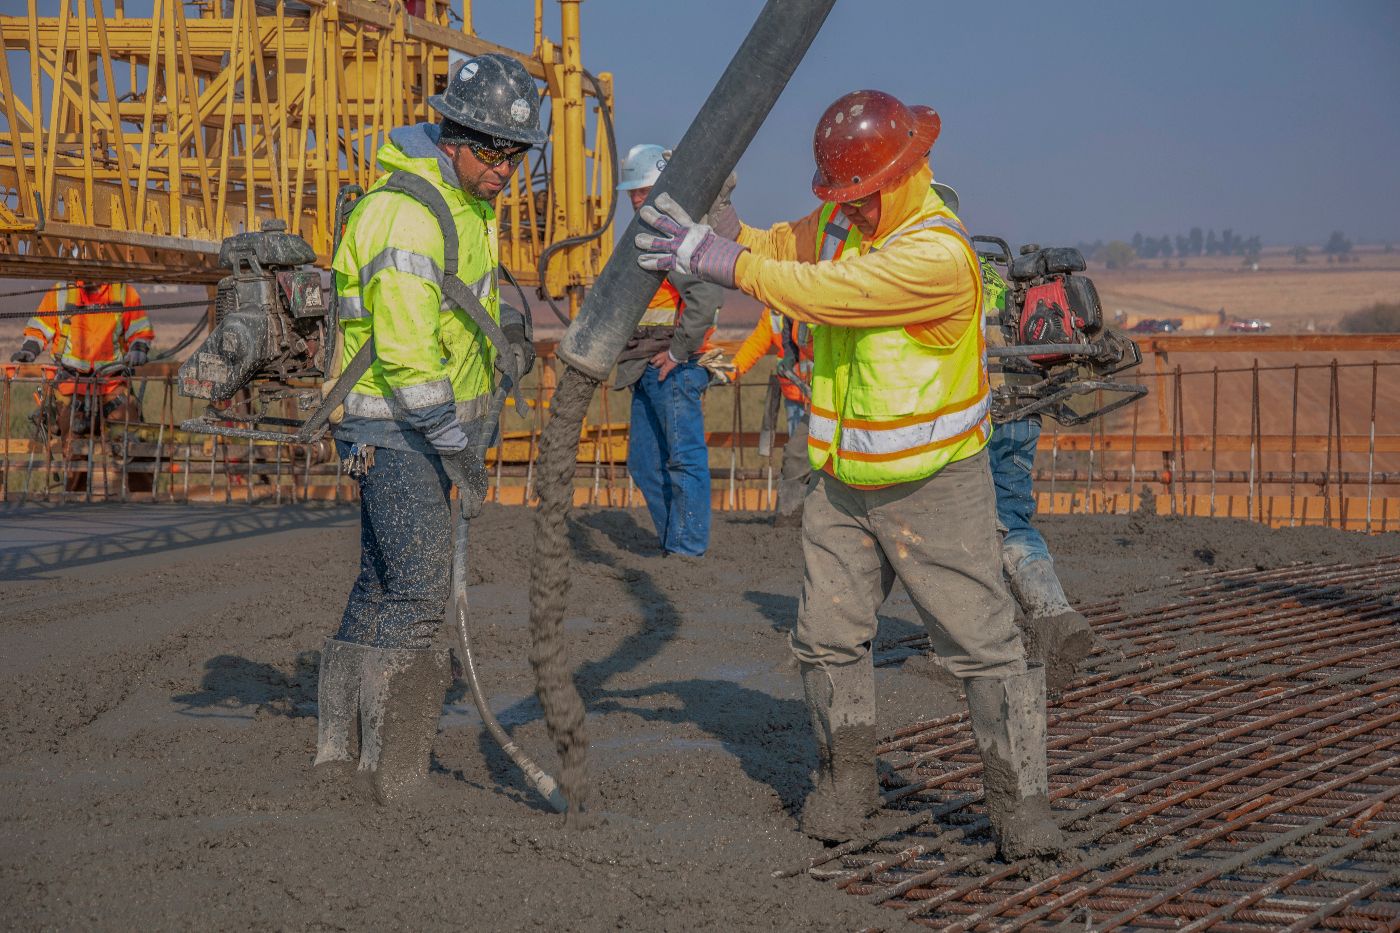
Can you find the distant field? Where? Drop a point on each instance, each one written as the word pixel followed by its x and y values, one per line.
pixel 1292 297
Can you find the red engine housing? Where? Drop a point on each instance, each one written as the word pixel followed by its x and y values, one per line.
pixel 1060 309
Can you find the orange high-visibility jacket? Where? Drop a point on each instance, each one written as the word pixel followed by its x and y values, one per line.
pixel 84 342
pixel 767 335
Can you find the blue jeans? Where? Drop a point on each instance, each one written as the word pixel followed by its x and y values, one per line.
pixel 400 596
pixel 667 457
pixel 1012 451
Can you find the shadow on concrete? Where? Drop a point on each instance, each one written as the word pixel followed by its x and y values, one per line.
pixel 41 539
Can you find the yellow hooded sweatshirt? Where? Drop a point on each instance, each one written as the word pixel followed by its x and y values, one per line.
pixel 924 277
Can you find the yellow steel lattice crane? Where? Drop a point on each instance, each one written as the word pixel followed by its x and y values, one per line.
pixel 131 145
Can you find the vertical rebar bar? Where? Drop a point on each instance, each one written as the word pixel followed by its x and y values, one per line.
pixel 5 466
pixel 1132 462
pixel 1214 430
pixel 1293 454
pixel 1253 437
pixel 1327 464
pixel 1371 444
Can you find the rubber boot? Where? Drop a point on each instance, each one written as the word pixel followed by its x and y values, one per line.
pixel 841 701
pixel 1056 635
pixel 338 702
pixel 791 519
pixel 1008 723
pixel 401 696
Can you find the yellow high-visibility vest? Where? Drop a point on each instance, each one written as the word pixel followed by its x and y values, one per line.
pixel 886 407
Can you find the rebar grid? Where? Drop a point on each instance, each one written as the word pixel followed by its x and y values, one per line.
pixel 1234 764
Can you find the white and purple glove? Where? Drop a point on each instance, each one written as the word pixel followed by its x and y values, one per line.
pixel 685 245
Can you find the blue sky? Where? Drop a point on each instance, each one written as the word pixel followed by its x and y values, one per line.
pixel 1061 121
pixel 1082 119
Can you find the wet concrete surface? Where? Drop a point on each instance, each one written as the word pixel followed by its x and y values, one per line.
pixel 158 681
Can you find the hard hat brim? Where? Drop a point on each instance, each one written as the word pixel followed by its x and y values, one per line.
pixel 444 108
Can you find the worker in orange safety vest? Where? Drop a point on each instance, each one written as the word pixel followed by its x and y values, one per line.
pixel 793 382
pixel 93 352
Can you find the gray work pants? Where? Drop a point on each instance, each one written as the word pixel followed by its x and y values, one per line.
pixel 938 536
pixel 795 470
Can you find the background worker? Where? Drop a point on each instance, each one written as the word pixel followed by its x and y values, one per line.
pixel 1056 634
pixel 94 351
pixel 900 417
pixel 415 424
pixel 666 453
pixel 793 382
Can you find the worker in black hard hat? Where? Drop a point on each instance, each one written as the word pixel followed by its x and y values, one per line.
pixel 420 418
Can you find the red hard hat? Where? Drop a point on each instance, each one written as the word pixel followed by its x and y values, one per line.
pixel 867 139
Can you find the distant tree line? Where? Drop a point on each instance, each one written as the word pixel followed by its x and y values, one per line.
pixel 1120 254
pixel 1380 318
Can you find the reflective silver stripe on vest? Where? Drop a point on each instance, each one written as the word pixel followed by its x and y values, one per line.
pixel 834 234
pixel 400 260
pixel 821 428
pixel 424 395
pixel 351 307
pixel 482 288
pixel 911 437
pixel 361 405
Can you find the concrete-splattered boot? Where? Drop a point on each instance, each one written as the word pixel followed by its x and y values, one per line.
pixel 841 701
pixel 401 695
pixel 338 702
pixel 1056 635
pixel 1008 723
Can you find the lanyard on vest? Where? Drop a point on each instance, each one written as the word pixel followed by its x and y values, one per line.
pixel 453 288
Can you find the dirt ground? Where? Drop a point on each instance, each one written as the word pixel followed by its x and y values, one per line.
pixel 158 682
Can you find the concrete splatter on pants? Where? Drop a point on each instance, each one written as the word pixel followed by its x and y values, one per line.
pixel 938 536
pixel 400 596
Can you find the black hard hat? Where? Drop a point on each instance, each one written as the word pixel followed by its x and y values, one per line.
pixel 494 95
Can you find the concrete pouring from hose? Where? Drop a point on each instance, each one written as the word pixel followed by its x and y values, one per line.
pixel 694 176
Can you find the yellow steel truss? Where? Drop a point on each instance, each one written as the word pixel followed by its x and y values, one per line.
pixel 133 145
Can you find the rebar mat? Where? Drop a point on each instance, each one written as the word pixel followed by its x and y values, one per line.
pixel 1233 764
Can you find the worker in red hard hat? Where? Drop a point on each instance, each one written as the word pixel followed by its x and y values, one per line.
pixel 885 274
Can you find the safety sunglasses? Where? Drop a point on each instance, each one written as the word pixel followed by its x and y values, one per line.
pixel 488 156
pixel 858 203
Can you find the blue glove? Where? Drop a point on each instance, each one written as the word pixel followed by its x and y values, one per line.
pixel 685 245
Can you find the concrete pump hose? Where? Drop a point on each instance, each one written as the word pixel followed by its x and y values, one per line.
pixel 705 156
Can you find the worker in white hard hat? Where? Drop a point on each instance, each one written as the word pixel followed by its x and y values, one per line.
pixel 666 453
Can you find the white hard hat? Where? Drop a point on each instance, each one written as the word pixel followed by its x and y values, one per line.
pixel 642 167
pixel 949 196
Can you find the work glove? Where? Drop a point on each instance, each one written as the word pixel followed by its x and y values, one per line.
pixel 27 351
pixel 683 244
pixel 722 372
pixel 469 475
pixel 721 216
pixel 521 348
pixel 137 354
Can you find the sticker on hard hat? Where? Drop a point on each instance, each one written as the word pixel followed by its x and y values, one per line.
pixel 468 71
pixel 520 110
pixel 660 164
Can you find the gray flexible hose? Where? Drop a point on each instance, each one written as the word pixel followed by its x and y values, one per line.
pixel 539 779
